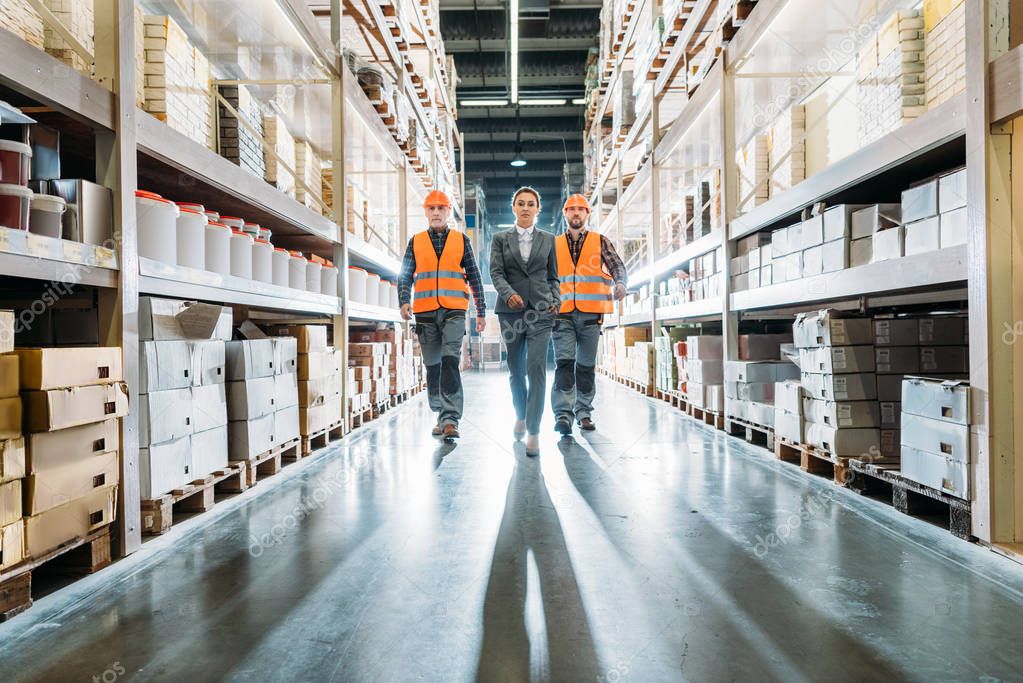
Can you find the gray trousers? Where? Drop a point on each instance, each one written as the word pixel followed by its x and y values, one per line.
pixel 576 335
pixel 440 335
pixel 527 336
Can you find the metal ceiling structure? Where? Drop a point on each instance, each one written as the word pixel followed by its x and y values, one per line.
pixel 554 39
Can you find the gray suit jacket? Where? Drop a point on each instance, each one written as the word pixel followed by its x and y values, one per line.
pixel 536 281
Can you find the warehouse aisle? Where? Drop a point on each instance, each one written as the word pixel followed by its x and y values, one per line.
pixel 631 554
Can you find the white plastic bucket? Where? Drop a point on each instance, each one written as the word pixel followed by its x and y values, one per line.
pixel 47 214
pixel 252 229
pixel 198 208
pixel 373 289
pixel 192 237
pixel 262 261
pixel 264 234
pixel 357 284
pixel 214 216
pixel 233 222
pixel 384 294
pixel 296 270
pixel 157 220
pixel 218 248
pixel 312 277
pixel 15 162
pixel 394 296
pixel 15 203
pixel 241 254
pixel 281 264
pixel 328 280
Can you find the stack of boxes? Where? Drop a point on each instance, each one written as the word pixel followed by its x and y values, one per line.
pixel 641 362
pixel 934 214
pixel 890 87
pixel 283 144
pixel 875 234
pixel 182 398
pixel 72 401
pixel 318 377
pixel 12 450
pixel 374 379
pixel 750 381
pixel 788 411
pixel 262 395
pixel 754 167
pixel 617 345
pixel 788 150
pixel 237 144
pixel 837 362
pixel 177 81
pixel 751 268
pixel 309 169
pixel 706 276
pixel 944 49
pixel 935 440
pixel 705 372
pixel 667 364
pixel 401 355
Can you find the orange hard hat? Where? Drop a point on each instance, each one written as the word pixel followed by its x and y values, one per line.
pixel 577 200
pixel 437 198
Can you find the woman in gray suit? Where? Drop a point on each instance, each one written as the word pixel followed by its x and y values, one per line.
pixel 524 268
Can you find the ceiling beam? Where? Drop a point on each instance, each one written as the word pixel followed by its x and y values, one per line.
pixel 524 81
pixel 528 111
pixel 502 5
pixel 525 45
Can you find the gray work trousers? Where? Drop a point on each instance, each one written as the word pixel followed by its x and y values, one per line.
pixel 440 336
pixel 526 336
pixel 576 335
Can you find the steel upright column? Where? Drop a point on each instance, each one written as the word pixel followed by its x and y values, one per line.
pixel 337 87
pixel 729 179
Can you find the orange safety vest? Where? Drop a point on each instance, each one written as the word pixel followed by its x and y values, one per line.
pixel 586 285
pixel 439 283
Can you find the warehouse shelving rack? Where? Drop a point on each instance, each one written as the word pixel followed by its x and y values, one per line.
pixel 133 148
pixel 772 53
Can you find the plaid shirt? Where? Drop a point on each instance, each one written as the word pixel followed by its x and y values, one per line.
pixel 472 271
pixel 608 256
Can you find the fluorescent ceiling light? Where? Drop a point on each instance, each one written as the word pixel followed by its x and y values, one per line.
pixel 506 225
pixel 484 103
pixel 517 162
pixel 579 100
pixel 541 102
pixel 514 11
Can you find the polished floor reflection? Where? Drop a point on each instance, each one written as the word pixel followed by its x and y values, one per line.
pixel 635 553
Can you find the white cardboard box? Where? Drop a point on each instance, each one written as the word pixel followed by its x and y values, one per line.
pixel 936 436
pixel 876 218
pixel 761 413
pixel 788 396
pixel 286 424
pixel 285 355
pixel 705 371
pixel 209 362
pixel 250 359
pixel 286 390
pixel 937 471
pixel 812 232
pixel 947 400
pixel 897 360
pixel 714 397
pixel 835 255
pixel 831 360
pixel 737 408
pixel 164 365
pixel 745 391
pixel 788 425
pixel 823 328
pixel 861 252
pixel 813 261
pixel 952 191
pixel 248 438
pixel 896 332
pixel 855 387
pixel 759 371
pixel 164 416
pixel 920 202
pixel 923 236
pixel 838 221
pixel 209 451
pixel 955 229
pixel 704 347
pixel 251 398
pixel 165 466
pixel 209 407
pixel 166 319
pixel 889 244
pixel 780 242
pixel 843 442
pixel 843 414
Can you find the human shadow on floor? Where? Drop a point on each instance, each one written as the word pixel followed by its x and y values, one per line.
pixel 442 451
pixel 531 531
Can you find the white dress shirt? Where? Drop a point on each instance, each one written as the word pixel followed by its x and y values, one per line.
pixel 525 241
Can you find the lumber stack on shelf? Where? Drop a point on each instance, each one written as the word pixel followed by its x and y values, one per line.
pixel 944 49
pixel 787 150
pixel 283 144
pixel 309 169
pixel 78 17
pixel 21 19
pixel 891 87
pixel 754 167
pixel 237 144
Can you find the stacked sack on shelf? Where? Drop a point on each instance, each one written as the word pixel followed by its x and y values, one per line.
pixel 182 396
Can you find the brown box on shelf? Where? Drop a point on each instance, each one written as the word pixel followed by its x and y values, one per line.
pixel 56 368
pixel 52 488
pixel 318 391
pixel 10 502
pixel 48 411
pixel 10 382
pixel 315 365
pixel 361 337
pixel 12 459
pixel 310 337
pixel 10 417
pixel 78 517
pixel 49 450
pixel 6 331
pixel 12 544
pixel 318 418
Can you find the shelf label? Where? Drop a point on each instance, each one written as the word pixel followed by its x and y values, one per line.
pixel 107 258
pixel 39 246
pixel 72 251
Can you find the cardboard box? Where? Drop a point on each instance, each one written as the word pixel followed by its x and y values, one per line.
pixel 251 398
pixel 812 232
pixel 10 502
pixel 867 221
pixel 6 331
pixel 705 371
pixel 823 328
pixel 936 436
pixel 936 471
pixel 737 408
pixel 209 451
pixel 780 242
pixel 947 400
pixel 788 396
pixel 47 490
pixel 287 423
pixel 209 362
pixel 42 369
pixel 166 319
pixel 838 221
pixel 209 407
pixel 843 442
pixel 10 417
pixel 12 544
pixel 952 191
pixel 861 252
pixel 889 387
pixel 923 236
pixel 855 387
pixel 286 390
pixel 318 391
pixel 285 355
pixel 944 331
pixel 813 261
pixel 55 409
pixel 945 360
pixel 762 392
pixel 890 447
pixel 10 382
pixel 307 337
pixel 837 360
pixel 835 256
pixel 897 360
pixel 317 364
pixel 759 347
pixel 250 359
pixel 165 365
pixel 740 264
pixel 747 371
pixel 920 202
pixel 12 459
pixel 704 347
pixel 889 244
pixel 761 414
pixel 78 517
pixel 891 414
pixel 788 426
pixel 896 332
pixel 49 450
pixel 248 438
pixel 696 394
pixel 714 397
pixel 843 414
pixel 954 228
pixel 165 416
pixel 766 276
pixel 318 418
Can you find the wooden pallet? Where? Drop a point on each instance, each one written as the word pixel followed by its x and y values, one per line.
pixel 360 419
pixel 884 480
pixel 398 399
pixel 707 417
pixel 322 438
pixel 194 498
pixel 83 555
pixel 758 435
pixel 813 460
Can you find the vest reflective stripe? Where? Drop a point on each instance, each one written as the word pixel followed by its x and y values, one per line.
pixel 439 282
pixel 586 285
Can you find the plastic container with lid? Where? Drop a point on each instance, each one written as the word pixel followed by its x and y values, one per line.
pixel 372 289
pixel 328 280
pixel 233 222
pixel 157 220
pixel 214 216
pixel 384 295
pixel 281 266
pixel 192 224
pixel 264 234
pixel 312 277
pixel 15 163
pixel 241 254
pixel 262 261
pixel 218 248
pixel 194 206
pixel 47 215
pixel 252 229
pixel 296 270
pixel 357 284
pixel 394 296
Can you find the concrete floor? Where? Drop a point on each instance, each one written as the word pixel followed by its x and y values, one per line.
pixel 631 554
